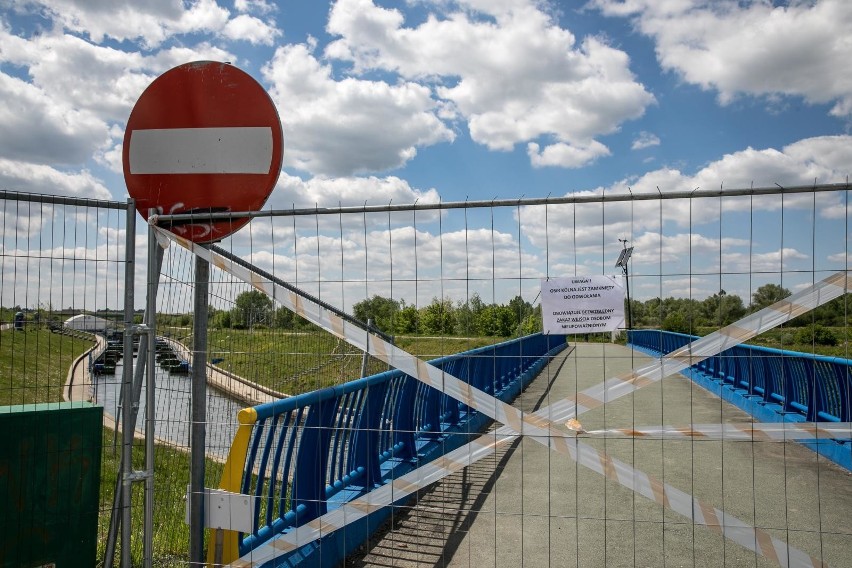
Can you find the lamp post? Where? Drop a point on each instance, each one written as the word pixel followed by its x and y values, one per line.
pixel 623 257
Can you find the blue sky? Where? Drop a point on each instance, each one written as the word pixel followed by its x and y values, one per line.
pixel 451 100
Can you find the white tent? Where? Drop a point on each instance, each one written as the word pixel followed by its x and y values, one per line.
pixel 88 322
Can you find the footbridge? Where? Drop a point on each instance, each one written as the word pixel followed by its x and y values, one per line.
pixel 323 497
pixel 330 468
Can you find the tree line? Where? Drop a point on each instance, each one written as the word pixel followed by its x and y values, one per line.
pixel 475 317
pixel 691 316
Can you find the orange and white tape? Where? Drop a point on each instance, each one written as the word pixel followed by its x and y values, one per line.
pixel 745 431
pixel 708 346
pixel 540 426
pixel 522 423
pixel 664 494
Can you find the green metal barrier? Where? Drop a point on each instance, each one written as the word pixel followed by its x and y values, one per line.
pixel 50 466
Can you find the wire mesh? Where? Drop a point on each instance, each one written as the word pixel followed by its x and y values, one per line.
pixel 443 279
pixel 447 280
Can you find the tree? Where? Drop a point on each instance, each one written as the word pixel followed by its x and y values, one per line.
pixel 408 320
pixel 767 295
pixel 467 314
pixel 284 318
pixel 722 309
pixel 520 308
pixel 497 321
pixel 220 319
pixel 252 308
pixel 532 323
pixel 438 317
pixel 381 310
pixel 676 322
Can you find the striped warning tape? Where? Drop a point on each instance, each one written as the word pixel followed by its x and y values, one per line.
pixel 664 494
pixel 540 425
pixel 522 423
pixel 745 431
pixel 708 346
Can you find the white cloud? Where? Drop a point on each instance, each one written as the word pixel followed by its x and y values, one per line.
pixel 645 140
pixel 825 159
pixel 78 96
pixel 752 48
pixel 565 155
pixel 256 6
pixel 251 29
pixel 292 191
pixel 35 178
pixel 508 68
pixel 38 128
pixel 151 21
pixel 350 126
pixel 449 264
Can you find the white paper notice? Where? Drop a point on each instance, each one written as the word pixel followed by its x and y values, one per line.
pixel 582 304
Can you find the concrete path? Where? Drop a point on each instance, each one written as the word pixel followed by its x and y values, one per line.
pixel 527 506
pixel 78 384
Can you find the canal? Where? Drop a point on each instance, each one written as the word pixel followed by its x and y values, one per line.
pixel 172 409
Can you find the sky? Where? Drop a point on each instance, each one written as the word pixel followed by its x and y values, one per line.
pixel 427 100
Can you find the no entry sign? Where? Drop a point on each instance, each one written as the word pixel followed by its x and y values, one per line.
pixel 203 137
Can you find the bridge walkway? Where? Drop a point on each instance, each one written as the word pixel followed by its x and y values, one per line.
pixel 527 506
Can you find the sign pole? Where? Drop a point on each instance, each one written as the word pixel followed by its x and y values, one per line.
pixel 204 137
pixel 198 432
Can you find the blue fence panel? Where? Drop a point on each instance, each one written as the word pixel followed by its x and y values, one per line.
pixel 311 452
pixel 773 385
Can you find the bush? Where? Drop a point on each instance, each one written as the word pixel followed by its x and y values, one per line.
pixel 817 335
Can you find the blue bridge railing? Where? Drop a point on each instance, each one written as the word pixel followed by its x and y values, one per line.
pixel 302 456
pixel 773 385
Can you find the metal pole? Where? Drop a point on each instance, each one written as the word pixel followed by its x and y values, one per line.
pixel 572 197
pixel 127 386
pixel 629 306
pixel 144 359
pixel 199 414
pixel 155 265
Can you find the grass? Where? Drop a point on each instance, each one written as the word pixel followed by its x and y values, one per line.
pixel 787 338
pixel 286 361
pixel 297 362
pixel 171 533
pixel 432 347
pixel 34 365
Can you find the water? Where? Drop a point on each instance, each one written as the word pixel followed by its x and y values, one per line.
pixel 172 409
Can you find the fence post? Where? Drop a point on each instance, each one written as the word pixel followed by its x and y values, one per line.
pixel 198 432
pixel 155 265
pixel 130 402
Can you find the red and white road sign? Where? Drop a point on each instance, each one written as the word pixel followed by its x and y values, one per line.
pixel 203 137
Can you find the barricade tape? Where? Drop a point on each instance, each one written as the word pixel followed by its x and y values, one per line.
pixel 708 346
pixel 745 431
pixel 540 426
pixel 664 494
